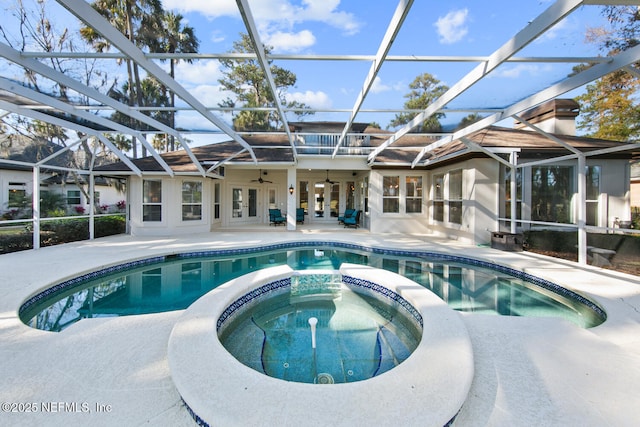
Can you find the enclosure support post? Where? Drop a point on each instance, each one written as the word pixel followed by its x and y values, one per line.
pixel 582 209
pixel 513 159
pixel 35 203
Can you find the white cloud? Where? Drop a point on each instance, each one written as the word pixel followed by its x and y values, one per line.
pixel 198 72
pixel 378 86
pixel 517 71
pixel 209 95
pixel 276 18
pixel 453 26
pixel 290 42
pixel 212 9
pixel 317 99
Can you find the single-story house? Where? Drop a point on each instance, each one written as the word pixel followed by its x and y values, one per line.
pixel 461 188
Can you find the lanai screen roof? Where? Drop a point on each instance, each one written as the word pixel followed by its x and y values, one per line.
pixel 395 43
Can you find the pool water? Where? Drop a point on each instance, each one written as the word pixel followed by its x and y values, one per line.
pixel 174 282
pixel 357 337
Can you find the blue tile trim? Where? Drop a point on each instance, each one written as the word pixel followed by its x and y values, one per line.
pixel 61 287
pixel 387 293
pixel 67 284
pixel 199 421
pixel 251 297
pixel 285 284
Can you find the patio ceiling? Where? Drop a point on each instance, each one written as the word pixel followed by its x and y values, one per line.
pixel 94 118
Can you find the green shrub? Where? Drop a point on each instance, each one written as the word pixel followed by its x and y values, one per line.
pixel 60 231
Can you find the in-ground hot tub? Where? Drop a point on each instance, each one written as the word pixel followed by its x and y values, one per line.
pixel 320 327
pixel 427 388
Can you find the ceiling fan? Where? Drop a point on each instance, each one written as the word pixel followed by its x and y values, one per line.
pixel 328 180
pixel 260 180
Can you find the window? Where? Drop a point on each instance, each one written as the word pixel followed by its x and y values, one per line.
pixel 216 201
pixel 551 192
pixel 191 200
pixel 438 197
pixel 303 195
pixel 73 197
pixel 391 194
pixel 17 195
pixel 508 197
pixel 455 196
pixel 413 198
pixel 350 196
pixel 151 200
pixel 593 194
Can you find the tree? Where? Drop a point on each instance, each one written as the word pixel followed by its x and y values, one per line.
pixel 468 120
pixel 425 89
pixel 609 107
pixel 137 20
pixel 176 38
pixel 247 80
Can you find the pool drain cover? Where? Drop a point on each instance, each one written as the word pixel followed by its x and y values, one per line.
pixel 324 379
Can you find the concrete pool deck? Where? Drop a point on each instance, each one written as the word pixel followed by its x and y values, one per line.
pixel 114 371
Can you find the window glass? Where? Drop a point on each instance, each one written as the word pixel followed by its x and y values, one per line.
pixel 151 200
pixel 216 201
pixel 455 196
pixel 551 192
pixel 191 200
pixel 438 197
pixel 413 201
pixel 593 194
pixel 73 197
pixel 508 198
pixel 391 194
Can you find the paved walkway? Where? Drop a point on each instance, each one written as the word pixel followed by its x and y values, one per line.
pixel 114 371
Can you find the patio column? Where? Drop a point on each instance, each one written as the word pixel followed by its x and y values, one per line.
pixel 291 198
pixel 582 209
pixel 35 204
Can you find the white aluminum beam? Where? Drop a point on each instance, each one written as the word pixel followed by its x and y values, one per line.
pixel 539 25
pixel 65 124
pixel 66 108
pixel 621 60
pixel 392 31
pixel 83 11
pixel 14 56
pixel 258 47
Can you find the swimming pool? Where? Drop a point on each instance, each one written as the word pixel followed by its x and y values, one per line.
pixel 175 281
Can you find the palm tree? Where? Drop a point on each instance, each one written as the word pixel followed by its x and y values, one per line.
pixel 176 38
pixel 135 19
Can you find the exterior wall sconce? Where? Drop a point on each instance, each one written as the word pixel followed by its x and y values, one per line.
pixel 291 189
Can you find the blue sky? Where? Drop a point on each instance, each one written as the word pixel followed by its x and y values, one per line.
pixel 356 27
pixel 465 28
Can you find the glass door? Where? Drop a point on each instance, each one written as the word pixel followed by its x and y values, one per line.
pixel 244 205
pixel 326 199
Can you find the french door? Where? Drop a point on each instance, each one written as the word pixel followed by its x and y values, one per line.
pixel 326 201
pixel 244 205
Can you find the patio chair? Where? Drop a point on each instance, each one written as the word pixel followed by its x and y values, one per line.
pixel 300 215
pixel 275 217
pixel 353 220
pixel 347 213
